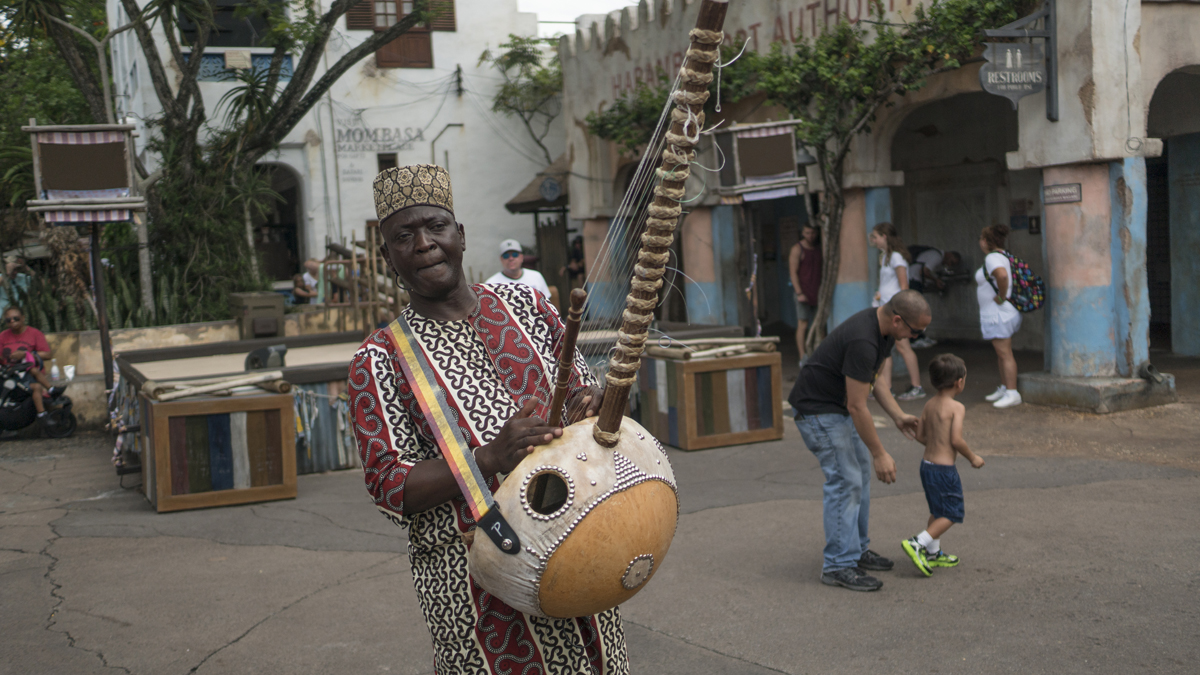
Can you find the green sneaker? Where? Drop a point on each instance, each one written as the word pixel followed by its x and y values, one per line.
pixel 916 552
pixel 941 559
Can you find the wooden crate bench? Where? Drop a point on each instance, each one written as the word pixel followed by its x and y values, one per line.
pixel 218 451
pixel 708 403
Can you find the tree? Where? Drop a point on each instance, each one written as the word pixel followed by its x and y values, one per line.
pixel 531 92
pixel 199 201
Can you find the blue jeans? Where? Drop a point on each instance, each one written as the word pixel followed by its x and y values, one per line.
pixel 846 463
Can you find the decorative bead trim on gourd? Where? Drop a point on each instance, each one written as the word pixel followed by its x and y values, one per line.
pixel 547 468
pixel 628 476
pixel 629 568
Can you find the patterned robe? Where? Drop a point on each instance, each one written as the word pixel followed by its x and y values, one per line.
pixel 489 365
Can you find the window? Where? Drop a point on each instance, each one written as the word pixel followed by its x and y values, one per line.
pixel 380 14
pixel 413 49
pixel 228 29
pixel 386 161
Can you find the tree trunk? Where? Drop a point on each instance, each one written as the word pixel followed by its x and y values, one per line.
pixel 144 273
pixel 832 208
pixel 250 238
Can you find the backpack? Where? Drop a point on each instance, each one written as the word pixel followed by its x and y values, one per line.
pixel 1028 289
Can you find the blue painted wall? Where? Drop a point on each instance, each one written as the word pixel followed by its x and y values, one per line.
pixel 724 236
pixel 1131 297
pixel 1183 170
pixel 855 296
pixel 879 210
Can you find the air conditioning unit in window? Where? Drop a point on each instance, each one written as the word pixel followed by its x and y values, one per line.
pixel 760 162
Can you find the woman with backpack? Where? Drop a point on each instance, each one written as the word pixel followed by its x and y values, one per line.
pixel 999 318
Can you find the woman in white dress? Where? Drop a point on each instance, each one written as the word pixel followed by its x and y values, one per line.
pixel 998 318
pixel 893 278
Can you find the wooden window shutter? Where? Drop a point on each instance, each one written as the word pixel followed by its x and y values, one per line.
pixel 361 16
pixel 443 11
pixel 410 50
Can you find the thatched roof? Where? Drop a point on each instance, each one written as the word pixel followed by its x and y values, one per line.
pixel 549 181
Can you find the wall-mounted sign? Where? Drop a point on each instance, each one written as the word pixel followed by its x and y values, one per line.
pixel 550 189
pixel 377 139
pixel 1062 194
pixel 1013 70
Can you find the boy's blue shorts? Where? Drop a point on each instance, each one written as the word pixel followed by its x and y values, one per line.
pixel 943 491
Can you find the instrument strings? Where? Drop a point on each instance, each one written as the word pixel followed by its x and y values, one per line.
pixel 608 279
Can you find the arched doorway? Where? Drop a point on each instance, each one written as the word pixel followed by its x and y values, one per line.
pixel 1173 214
pixel 277 233
pixel 956 181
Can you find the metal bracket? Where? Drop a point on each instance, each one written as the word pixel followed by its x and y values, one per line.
pixel 1049 33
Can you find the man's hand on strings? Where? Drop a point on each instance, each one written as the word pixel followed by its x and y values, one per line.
pixel 584 403
pixel 516 440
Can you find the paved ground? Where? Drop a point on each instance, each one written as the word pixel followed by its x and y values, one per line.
pixel 1080 555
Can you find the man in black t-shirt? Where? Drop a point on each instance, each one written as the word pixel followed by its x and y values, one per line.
pixel 830 399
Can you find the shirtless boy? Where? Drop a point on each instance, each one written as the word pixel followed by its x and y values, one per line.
pixel 941 433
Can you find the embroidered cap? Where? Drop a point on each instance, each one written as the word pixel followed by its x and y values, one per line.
pixel 400 187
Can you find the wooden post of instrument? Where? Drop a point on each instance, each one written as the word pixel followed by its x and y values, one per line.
pixel 566 359
pixel 687 120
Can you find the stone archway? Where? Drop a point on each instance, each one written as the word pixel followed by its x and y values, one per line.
pixel 279 234
pixel 956 181
pixel 1173 213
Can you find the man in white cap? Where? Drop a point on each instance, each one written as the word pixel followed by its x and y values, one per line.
pixel 512 272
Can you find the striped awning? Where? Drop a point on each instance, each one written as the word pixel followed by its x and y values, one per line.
pixel 105 216
pixel 767 132
pixel 80 137
pixel 112 193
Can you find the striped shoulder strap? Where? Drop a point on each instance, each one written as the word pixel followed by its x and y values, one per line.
pixel 432 400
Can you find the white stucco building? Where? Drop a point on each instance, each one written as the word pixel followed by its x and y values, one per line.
pixel 423 99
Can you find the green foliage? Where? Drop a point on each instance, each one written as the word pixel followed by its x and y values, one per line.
pixel 198 231
pixel 630 121
pixel 835 84
pixel 36 84
pixel 532 91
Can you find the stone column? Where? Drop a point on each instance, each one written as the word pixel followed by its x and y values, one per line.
pixel 700 286
pixel 858 270
pixel 1097 304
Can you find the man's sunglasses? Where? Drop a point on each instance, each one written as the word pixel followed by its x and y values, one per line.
pixel 916 334
pixel 509 254
pixel 12 319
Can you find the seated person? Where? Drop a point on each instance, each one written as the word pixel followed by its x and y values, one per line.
pixel 25 344
pixel 927 262
pixel 302 292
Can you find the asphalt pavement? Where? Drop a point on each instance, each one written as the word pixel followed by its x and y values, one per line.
pixel 1079 562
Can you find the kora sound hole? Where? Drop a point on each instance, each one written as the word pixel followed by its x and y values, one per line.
pixel 548 493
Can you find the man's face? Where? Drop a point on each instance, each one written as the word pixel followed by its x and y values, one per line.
pixel 511 261
pixel 909 330
pixel 809 234
pixel 424 246
pixel 14 320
